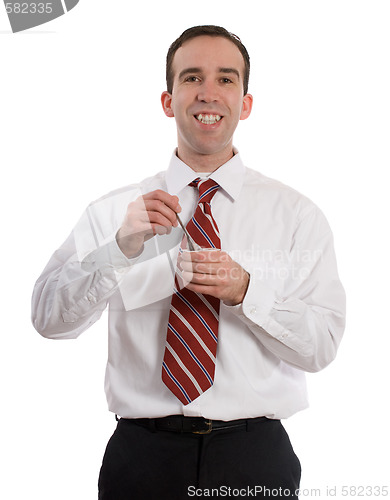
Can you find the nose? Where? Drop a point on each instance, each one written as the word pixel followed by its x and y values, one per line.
pixel 208 91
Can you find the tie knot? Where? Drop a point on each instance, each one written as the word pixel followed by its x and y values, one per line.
pixel 207 189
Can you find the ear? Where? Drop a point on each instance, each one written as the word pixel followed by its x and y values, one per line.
pixel 247 104
pixel 166 101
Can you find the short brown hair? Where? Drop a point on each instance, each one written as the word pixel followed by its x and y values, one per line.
pixel 209 30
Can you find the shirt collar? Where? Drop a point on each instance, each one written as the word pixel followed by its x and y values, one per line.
pixel 230 175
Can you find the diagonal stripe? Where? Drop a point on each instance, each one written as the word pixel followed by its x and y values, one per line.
pixel 194 333
pixel 205 221
pixel 185 370
pixel 181 377
pixel 210 190
pixel 190 351
pixel 187 345
pixel 197 315
pixel 211 220
pixel 181 388
pixel 190 364
pixel 209 306
pixel 202 231
pixel 207 314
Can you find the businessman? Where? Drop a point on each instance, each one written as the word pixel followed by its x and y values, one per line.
pixel 211 330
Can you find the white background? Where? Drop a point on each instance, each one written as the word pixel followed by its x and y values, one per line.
pixel 80 115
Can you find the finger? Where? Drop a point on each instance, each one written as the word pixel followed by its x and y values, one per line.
pixel 159 207
pixel 212 255
pixel 148 223
pixel 204 289
pixel 157 218
pixel 201 279
pixel 203 268
pixel 144 222
pixel 171 201
pixel 161 230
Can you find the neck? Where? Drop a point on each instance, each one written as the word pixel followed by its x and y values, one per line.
pixel 205 162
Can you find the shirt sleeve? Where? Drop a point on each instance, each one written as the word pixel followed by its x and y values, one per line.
pixel 74 288
pixel 297 308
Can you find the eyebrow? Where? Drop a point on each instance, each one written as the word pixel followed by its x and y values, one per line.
pixel 230 71
pixel 227 71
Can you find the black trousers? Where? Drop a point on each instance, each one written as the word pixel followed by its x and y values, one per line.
pixel 147 464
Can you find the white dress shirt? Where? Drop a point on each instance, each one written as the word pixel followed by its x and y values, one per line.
pixel 291 320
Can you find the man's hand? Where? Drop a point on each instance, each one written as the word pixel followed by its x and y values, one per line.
pixel 153 213
pixel 215 273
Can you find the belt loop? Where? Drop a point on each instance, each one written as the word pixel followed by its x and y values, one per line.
pixel 249 425
pixel 117 418
pixel 152 424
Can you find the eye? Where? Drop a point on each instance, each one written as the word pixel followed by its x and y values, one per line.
pixel 192 79
pixel 226 80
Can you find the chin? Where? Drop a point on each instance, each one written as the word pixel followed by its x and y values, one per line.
pixel 210 147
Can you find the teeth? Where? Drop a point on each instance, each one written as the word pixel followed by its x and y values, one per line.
pixel 208 119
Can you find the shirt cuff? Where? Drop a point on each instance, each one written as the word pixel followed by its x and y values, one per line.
pixel 257 309
pixel 108 255
pixel 257 304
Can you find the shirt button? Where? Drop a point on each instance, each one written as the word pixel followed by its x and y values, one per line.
pixel 253 310
pixel 91 299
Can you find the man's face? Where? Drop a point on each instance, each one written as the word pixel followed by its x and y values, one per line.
pixel 207 99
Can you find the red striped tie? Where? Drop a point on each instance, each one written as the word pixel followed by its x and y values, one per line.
pixel 191 345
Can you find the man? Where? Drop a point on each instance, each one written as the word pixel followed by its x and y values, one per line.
pixel 207 348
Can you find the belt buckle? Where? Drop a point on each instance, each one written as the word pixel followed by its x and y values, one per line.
pixel 209 424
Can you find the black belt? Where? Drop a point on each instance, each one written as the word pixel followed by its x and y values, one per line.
pixel 194 425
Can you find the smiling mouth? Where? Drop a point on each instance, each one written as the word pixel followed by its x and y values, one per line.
pixel 208 119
